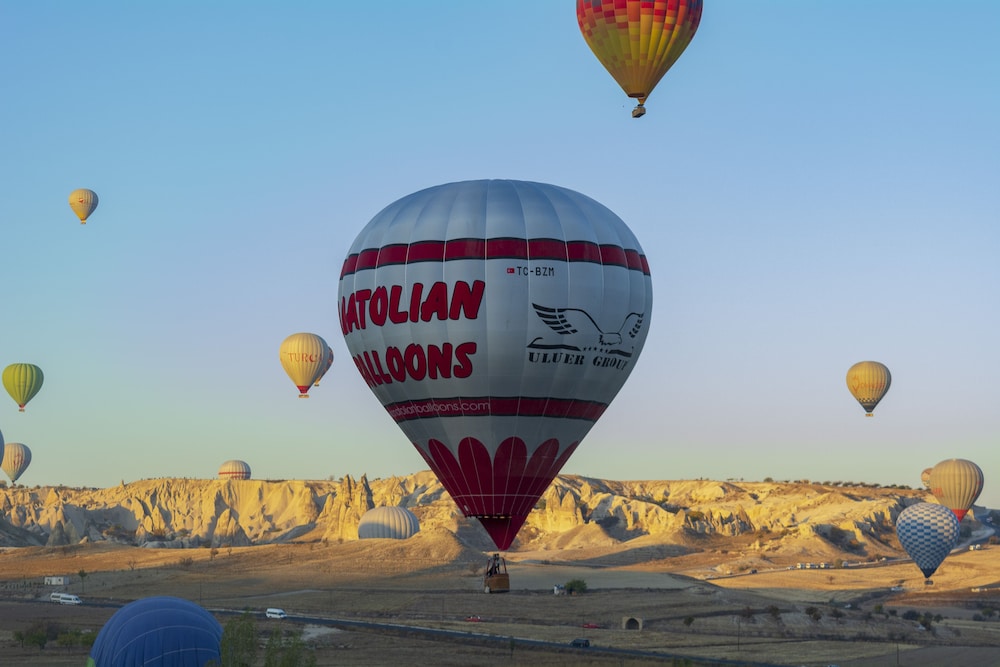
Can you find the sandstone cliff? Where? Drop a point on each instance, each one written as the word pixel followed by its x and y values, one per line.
pixel 575 512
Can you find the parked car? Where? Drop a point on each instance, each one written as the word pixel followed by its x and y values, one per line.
pixel 274 612
pixel 580 643
pixel 475 618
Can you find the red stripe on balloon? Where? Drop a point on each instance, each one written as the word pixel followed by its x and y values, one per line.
pixel 501 248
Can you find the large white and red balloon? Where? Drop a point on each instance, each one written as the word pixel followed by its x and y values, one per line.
pixel 495 320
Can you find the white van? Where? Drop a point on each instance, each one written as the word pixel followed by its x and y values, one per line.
pixel 274 612
pixel 69 599
pixel 55 597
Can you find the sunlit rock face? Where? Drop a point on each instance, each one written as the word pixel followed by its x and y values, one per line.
pixel 187 513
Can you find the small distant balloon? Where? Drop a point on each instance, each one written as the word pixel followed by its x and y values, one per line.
pixel 393 523
pixel 22 382
pixel 83 202
pixel 16 459
pixel 956 483
pixel 234 469
pixel 928 533
pixel 925 478
pixel 329 363
pixel 868 381
pixel 305 358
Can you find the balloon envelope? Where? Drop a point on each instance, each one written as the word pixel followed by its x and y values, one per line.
pixel 158 631
pixel 22 382
pixel 234 469
pixel 304 357
pixel 83 202
pixel 16 459
pixel 868 381
pixel 956 483
pixel 495 321
pixel 329 363
pixel 928 533
pixel 637 41
pixel 396 523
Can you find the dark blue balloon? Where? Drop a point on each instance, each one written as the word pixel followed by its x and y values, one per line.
pixel 160 631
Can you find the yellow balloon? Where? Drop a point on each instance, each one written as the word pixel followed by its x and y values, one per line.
pixel 304 357
pixel 956 483
pixel 83 202
pixel 868 381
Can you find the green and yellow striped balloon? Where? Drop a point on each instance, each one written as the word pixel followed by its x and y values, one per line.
pixel 22 382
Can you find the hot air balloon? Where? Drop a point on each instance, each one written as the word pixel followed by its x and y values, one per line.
pixel 83 202
pixel 304 357
pixel 329 363
pixel 234 469
pixel 868 381
pixel 16 459
pixel 22 382
pixel 925 478
pixel 928 532
pixel 495 321
pixel 395 523
pixel 956 483
pixel 164 631
pixel 637 41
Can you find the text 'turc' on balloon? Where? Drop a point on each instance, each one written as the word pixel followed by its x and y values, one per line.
pixel 495 320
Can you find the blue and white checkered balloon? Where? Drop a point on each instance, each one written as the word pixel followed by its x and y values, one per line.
pixel 928 532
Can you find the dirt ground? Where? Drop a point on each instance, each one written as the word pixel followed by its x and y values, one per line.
pixel 777 617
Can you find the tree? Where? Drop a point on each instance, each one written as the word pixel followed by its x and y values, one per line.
pixel 575 586
pixel 238 647
pixel 83 575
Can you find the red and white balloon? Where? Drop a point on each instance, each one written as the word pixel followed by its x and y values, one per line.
pixel 495 320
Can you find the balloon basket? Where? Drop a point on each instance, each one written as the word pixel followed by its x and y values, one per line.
pixel 639 111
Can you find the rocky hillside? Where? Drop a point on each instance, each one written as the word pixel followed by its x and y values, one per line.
pixel 855 522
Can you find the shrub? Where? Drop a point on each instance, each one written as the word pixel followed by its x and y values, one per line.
pixel 575 586
pixel 688 620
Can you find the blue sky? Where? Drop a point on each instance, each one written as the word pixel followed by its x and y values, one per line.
pixel 814 184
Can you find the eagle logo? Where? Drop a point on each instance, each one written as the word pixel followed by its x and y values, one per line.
pixel 585 331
